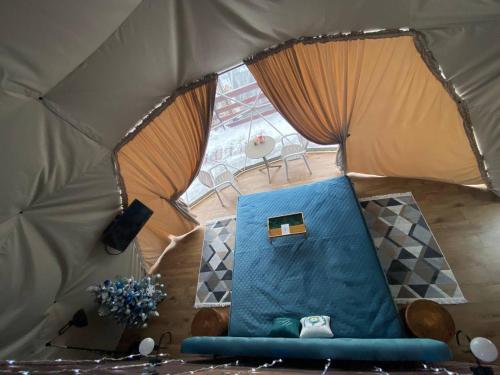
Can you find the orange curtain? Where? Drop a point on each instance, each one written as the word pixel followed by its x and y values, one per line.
pixel 377 99
pixel 297 81
pixel 159 161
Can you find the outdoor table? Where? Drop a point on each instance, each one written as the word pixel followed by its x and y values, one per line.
pixel 262 150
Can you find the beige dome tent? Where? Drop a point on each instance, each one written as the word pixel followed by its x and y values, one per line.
pixel 76 77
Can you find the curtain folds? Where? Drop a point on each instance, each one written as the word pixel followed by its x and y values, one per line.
pixel 298 82
pixel 374 97
pixel 160 159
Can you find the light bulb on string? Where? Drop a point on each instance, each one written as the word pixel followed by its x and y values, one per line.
pixel 437 369
pixel 265 365
pixel 210 368
pixel 380 370
pixel 327 366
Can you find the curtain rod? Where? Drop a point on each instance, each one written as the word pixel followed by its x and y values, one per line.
pixel 344 35
pixel 231 68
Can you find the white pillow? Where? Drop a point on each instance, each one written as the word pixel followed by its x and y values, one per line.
pixel 315 326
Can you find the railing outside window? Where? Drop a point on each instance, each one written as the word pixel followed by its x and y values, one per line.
pixel 241 113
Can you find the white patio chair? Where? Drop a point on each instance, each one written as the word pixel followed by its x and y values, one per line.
pixel 217 178
pixel 294 146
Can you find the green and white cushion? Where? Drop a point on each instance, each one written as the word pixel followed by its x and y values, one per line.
pixel 315 326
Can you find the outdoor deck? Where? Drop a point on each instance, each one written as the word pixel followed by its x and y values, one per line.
pixel 253 181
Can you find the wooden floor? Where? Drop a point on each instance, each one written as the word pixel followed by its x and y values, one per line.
pixel 465 221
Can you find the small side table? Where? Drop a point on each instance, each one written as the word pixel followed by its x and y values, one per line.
pixel 210 322
pixel 261 150
pixel 428 319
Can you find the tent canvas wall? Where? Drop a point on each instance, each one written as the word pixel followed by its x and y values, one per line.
pixel 101 66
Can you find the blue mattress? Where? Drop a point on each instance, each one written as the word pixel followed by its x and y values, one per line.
pixel 334 271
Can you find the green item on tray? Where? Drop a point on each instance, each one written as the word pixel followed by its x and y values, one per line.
pixel 285 327
pixel 290 219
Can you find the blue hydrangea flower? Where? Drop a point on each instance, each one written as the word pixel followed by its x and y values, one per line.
pixel 130 301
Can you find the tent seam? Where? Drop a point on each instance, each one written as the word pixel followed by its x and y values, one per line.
pixel 10 234
pixel 71 181
pixel 432 64
pixel 55 112
pixel 47 92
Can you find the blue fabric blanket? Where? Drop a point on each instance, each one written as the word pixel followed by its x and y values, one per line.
pixel 334 271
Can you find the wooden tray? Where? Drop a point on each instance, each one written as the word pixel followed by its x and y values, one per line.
pixel 286 225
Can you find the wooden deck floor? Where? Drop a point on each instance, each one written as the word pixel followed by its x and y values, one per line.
pixel 465 221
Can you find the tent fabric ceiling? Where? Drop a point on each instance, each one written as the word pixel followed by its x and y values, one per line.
pixel 101 66
pixel 42 42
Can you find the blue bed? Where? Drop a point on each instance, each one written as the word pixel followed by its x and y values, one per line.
pixel 333 271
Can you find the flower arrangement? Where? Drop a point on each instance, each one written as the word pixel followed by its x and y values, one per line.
pixel 130 301
pixel 259 139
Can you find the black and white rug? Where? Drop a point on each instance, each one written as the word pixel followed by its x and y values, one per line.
pixel 413 263
pixel 216 266
pixel 410 257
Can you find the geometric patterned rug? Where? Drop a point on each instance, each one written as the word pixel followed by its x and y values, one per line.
pixel 216 267
pixel 412 261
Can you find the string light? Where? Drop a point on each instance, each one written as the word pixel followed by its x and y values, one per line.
pixel 210 368
pixel 117 367
pixel 438 369
pixel 104 359
pixel 266 365
pixel 13 364
pixel 379 369
pixel 327 366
